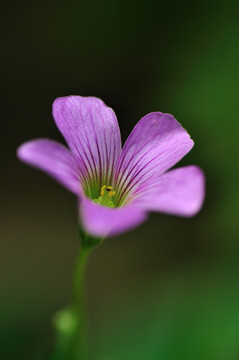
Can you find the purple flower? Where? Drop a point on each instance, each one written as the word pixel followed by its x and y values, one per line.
pixel 117 187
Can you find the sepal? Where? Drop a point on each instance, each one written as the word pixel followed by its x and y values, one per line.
pixel 88 241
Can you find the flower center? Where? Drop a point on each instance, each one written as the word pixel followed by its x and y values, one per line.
pixel 106 196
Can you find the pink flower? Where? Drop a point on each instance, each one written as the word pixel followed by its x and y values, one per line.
pixel 117 187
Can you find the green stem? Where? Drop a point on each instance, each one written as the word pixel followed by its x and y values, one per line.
pixel 80 338
pixel 71 323
pixel 80 335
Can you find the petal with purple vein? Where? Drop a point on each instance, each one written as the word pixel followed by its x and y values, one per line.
pixel 179 192
pixel 155 144
pixel 92 133
pixel 55 159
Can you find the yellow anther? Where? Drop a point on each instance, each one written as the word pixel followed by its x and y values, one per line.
pixel 102 191
pixel 108 189
pixel 111 193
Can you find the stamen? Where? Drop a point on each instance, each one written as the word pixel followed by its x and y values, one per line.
pixel 106 194
pixel 102 191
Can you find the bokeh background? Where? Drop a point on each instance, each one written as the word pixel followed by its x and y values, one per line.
pixel 169 289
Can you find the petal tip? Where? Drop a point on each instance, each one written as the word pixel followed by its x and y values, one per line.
pixel 200 191
pixel 22 151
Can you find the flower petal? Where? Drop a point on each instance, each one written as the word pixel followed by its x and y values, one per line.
pixel 53 158
pixel 155 144
pixel 92 132
pixel 179 192
pixel 102 221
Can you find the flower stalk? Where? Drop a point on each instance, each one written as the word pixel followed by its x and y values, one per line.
pixel 71 324
pixel 80 336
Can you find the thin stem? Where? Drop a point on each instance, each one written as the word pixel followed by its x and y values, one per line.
pixel 80 339
pixel 71 323
pixel 79 279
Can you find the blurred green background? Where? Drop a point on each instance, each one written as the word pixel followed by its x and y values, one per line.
pixel 168 290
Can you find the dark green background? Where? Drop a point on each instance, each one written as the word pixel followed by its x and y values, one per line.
pixel 168 290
